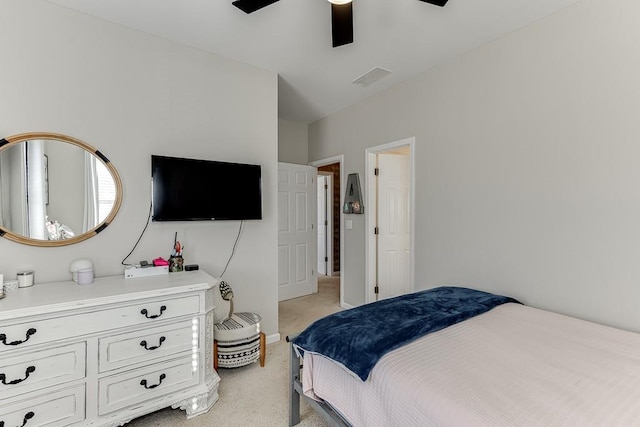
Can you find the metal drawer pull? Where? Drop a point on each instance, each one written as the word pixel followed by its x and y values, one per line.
pixel 144 383
pixel 146 313
pixel 30 370
pixel 143 343
pixel 3 338
pixel 27 417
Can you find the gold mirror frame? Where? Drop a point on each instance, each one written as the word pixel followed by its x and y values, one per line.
pixel 5 143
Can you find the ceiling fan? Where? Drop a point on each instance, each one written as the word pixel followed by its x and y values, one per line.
pixel 341 16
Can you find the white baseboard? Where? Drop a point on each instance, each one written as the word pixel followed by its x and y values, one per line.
pixel 273 338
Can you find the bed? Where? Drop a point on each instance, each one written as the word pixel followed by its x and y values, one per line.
pixel 504 365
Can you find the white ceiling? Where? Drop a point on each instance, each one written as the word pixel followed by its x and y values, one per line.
pixel 293 39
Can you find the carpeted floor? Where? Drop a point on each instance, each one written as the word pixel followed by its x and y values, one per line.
pixel 255 396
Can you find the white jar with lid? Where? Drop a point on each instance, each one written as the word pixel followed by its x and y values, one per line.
pixel 85 276
pixel 25 279
pixel 80 264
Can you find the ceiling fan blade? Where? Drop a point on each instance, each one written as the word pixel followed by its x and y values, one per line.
pixel 342 23
pixel 249 6
pixel 440 3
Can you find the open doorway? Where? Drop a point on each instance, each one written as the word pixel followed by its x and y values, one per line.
pixel 330 238
pixel 390 222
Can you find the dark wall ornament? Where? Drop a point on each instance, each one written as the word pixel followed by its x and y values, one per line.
pixel 353 203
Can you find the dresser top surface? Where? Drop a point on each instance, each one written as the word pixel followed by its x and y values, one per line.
pixel 59 296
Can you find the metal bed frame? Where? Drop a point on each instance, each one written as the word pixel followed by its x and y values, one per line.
pixel 295 393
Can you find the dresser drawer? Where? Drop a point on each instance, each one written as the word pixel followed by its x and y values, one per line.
pixel 57 408
pixel 121 350
pixel 133 387
pixel 29 333
pixel 22 374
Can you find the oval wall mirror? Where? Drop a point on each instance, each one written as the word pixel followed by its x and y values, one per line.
pixel 55 190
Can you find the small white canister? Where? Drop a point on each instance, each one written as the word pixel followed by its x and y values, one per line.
pixel 79 264
pixel 85 276
pixel 25 279
pixel 1 285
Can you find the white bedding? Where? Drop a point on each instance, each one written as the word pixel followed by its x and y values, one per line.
pixel 512 366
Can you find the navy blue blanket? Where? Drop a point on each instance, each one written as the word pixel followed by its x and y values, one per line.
pixel 357 338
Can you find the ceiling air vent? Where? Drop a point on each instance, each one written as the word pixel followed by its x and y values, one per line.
pixel 371 77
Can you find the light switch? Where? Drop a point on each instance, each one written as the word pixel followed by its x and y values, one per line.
pixel 348 224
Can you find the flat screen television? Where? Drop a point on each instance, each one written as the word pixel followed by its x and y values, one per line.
pixel 204 190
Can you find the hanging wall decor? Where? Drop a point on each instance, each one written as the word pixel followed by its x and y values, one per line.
pixel 353 196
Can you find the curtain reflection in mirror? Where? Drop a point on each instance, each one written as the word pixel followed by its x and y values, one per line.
pixel 99 192
pixel 22 172
pixel 13 187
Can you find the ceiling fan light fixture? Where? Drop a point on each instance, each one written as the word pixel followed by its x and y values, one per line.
pixel 341 23
pixel 339 1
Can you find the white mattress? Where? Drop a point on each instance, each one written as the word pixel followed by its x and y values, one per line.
pixel 512 366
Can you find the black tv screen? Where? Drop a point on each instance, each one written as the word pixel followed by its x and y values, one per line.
pixel 204 190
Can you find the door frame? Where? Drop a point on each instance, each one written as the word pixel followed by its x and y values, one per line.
pixel 370 210
pixel 329 228
pixel 327 161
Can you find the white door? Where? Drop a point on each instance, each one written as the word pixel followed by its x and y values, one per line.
pixel 296 231
pixel 393 225
pixel 322 224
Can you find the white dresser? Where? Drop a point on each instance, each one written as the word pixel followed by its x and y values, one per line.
pixel 105 353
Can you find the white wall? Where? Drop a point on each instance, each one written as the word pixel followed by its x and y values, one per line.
pixel 528 177
pixel 132 95
pixel 293 142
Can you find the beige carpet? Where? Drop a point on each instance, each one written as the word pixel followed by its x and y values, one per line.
pixel 255 396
